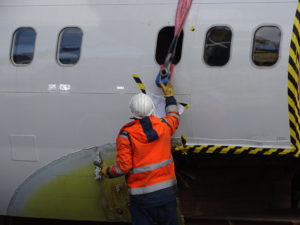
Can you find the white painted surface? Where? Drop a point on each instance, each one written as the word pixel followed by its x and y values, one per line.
pixel 235 104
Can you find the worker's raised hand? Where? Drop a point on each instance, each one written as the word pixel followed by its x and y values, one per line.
pixel 167 89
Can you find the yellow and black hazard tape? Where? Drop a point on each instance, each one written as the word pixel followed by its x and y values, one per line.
pixel 293 105
pixel 293 84
pixel 186 106
pixel 139 83
pixel 233 150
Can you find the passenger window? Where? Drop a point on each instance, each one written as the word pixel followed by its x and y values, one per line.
pixel 69 45
pixel 217 46
pixel 266 44
pixel 164 39
pixel 22 50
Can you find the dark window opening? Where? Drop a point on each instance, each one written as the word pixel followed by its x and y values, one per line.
pixel 266 44
pixel 69 45
pixel 164 39
pixel 217 46
pixel 23 46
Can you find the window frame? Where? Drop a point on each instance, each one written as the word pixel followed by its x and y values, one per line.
pixel 58 47
pixel 231 45
pixel 252 46
pixel 156 44
pixel 13 44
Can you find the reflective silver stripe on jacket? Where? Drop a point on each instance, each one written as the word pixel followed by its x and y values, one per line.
pixel 171 108
pixel 118 170
pixel 152 166
pixel 173 114
pixel 152 188
pixel 124 134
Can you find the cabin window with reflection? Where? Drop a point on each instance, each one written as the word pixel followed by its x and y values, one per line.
pixel 164 39
pixel 266 46
pixel 69 45
pixel 217 46
pixel 22 50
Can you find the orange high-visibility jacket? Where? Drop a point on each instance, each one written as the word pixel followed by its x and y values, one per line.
pixel 144 152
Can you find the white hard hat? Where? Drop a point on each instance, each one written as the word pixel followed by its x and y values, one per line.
pixel 141 105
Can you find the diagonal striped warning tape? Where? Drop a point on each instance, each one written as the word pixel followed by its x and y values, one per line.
pixel 230 150
pixel 183 139
pixel 186 106
pixel 293 85
pixel 139 83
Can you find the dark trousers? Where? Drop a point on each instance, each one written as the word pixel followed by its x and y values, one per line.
pixel 160 215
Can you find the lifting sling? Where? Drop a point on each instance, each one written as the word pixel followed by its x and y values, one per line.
pixel 167 68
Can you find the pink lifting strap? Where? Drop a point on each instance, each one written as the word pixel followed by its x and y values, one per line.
pixel 183 8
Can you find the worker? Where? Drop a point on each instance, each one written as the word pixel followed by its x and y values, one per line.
pixel 144 157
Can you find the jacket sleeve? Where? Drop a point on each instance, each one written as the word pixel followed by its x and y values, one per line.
pixel 172 114
pixel 123 162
